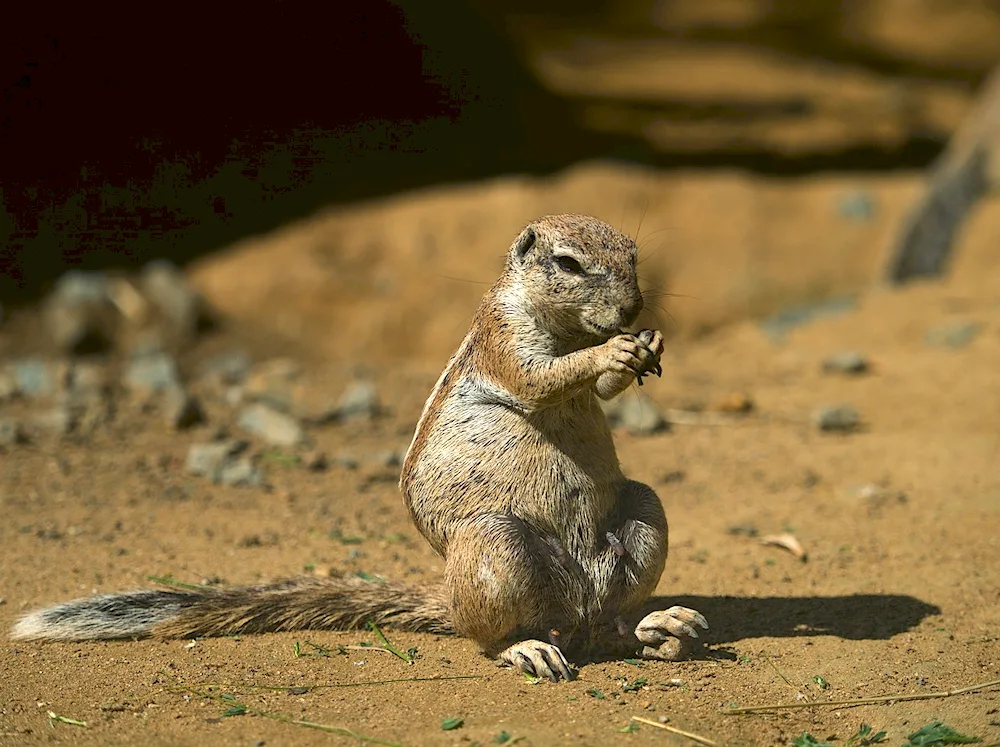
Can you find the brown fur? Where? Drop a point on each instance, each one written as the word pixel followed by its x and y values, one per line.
pixel 511 476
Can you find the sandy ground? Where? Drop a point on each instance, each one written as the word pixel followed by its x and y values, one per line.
pixel 900 593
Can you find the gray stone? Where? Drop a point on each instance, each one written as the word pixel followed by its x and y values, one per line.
pixel 224 462
pixel 638 415
pixel 206 460
pixel 846 362
pixel 347 461
pixel 273 381
pixel 241 472
pixel 80 315
pixel 34 377
pixel 152 372
pixel 952 335
pixel 168 289
pixel 856 206
pixel 836 418
pixel 59 420
pixel 276 428
pixel 389 459
pixel 87 382
pixel 360 400
pixel 230 367
pixel 11 433
pixel 8 386
pixel 182 409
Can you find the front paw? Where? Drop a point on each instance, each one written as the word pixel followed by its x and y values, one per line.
pixel 537 659
pixel 628 353
pixel 653 340
pixel 670 634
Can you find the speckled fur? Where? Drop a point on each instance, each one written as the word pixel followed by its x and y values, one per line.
pixel 511 476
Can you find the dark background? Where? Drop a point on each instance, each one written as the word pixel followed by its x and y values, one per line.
pixel 129 133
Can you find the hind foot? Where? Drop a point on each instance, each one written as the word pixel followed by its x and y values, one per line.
pixel 670 634
pixel 537 659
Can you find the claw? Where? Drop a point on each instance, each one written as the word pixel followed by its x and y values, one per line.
pixel 676 622
pixel 538 659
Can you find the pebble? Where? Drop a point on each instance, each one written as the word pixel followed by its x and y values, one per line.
pixel 152 372
pixel 168 289
pixel 241 472
pixel 316 461
pixel 33 377
pixel 230 367
pixel 8 386
pixel 11 432
pixel 836 418
pixel 637 415
pixel 390 458
pixel 59 420
pixel 276 428
pixel 273 381
pixel 182 409
pixel 346 461
pixel 87 382
pixel 224 462
pixel 360 400
pixel 846 362
pixel 856 206
pixel 736 403
pixel 952 335
pixel 79 314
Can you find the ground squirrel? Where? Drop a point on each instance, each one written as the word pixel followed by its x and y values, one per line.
pixel 511 476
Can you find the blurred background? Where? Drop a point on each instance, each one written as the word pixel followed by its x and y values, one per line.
pixel 802 123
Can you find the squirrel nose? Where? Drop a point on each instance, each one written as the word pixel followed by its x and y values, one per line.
pixel 631 312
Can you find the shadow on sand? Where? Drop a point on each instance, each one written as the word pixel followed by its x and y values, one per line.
pixel 855 617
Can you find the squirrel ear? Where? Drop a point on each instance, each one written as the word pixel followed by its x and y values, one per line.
pixel 524 242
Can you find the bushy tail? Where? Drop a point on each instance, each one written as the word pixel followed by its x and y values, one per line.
pixel 295 604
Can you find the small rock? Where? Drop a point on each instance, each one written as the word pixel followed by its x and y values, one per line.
pixel 8 386
pixel 87 383
pixel 206 459
pixel 241 472
pixel 274 427
pixel 736 403
pixel 182 409
pixel 389 459
pixel 152 372
pixel 230 367
pixel 856 206
pixel 360 399
pixel 168 289
pixel 316 461
pixel 346 461
pixel 274 382
pixel 11 433
pixel 224 462
pixel 846 362
pixel 953 335
pixel 836 418
pixel 33 377
pixel 59 421
pixel 637 415
pixel 80 315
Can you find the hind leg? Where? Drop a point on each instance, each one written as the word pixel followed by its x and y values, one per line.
pixel 496 576
pixel 631 567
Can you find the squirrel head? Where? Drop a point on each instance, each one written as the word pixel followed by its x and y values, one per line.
pixel 578 274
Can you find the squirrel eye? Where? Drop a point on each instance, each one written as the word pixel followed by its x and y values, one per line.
pixel 569 264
